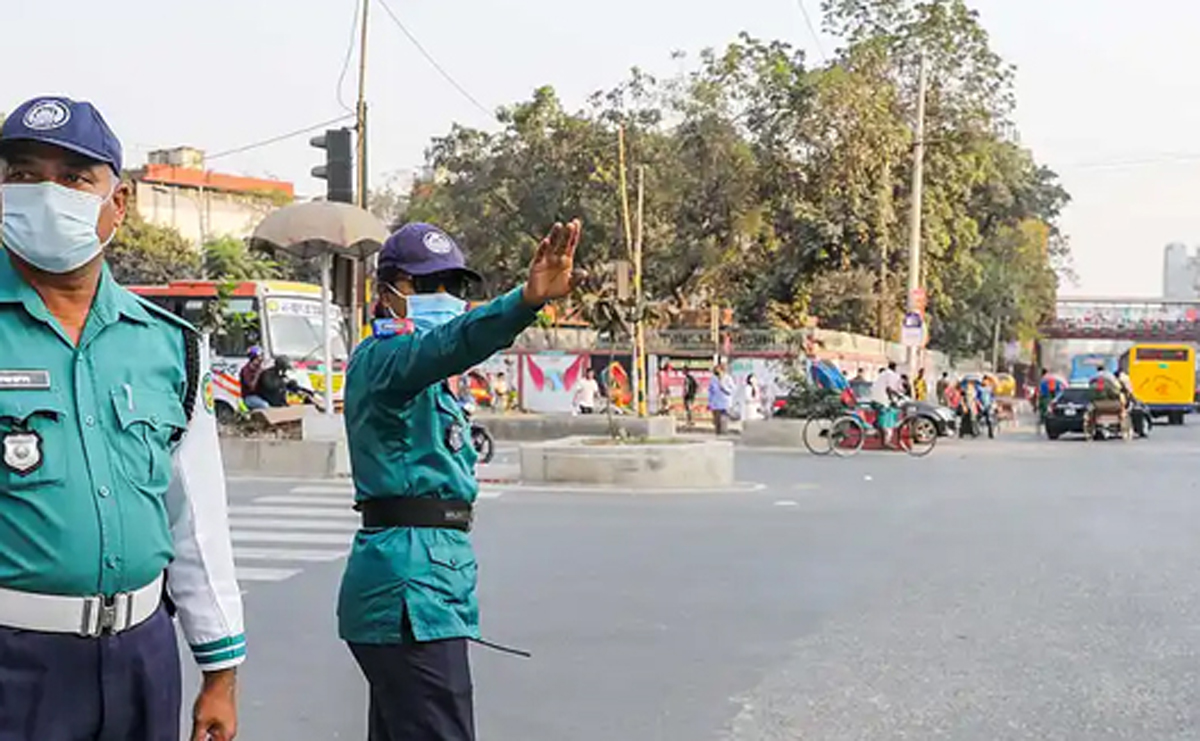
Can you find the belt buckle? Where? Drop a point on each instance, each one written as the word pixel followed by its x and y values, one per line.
pixel 104 616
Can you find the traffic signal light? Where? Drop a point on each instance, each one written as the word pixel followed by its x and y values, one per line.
pixel 338 170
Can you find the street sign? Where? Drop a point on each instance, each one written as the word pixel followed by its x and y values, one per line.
pixel 912 330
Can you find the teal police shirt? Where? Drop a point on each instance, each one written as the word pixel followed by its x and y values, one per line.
pixel 95 496
pixel 408 438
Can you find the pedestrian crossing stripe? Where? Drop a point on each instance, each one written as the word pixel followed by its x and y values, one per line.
pixel 276 536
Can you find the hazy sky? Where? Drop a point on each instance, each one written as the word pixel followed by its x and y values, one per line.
pixel 1107 91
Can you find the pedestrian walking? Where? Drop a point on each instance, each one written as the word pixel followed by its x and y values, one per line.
pixel 720 398
pixel 112 497
pixel 408 605
pixel 690 389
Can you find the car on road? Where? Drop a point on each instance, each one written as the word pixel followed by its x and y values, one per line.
pixel 1066 413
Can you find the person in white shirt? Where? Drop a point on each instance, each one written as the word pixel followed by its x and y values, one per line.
pixel 586 393
pixel 886 386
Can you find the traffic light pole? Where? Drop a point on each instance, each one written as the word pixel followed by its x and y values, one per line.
pixel 362 268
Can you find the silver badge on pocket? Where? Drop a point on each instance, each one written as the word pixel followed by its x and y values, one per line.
pixel 22 452
pixel 454 438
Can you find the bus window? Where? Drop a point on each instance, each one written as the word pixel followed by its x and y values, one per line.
pixel 240 330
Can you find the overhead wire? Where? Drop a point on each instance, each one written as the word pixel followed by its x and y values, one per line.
pixel 812 29
pixel 281 137
pixel 434 62
pixel 346 62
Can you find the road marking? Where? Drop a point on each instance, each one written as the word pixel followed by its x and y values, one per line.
pixel 278 523
pixel 331 512
pixel 285 554
pixel 787 503
pixel 266 536
pixel 257 574
pixel 302 501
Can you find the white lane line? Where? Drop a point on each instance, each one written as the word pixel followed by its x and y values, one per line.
pixel 306 501
pixel 331 512
pixel 261 536
pixel 277 523
pixel 257 574
pixel 346 490
pixel 787 503
pixel 244 553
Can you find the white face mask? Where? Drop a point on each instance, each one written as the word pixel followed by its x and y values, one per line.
pixel 51 227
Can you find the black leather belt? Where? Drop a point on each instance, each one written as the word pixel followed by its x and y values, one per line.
pixel 453 514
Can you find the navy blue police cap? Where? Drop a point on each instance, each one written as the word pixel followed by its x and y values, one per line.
pixel 73 125
pixel 422 249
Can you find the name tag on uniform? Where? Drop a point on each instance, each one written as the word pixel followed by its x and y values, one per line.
pixel 37 380
pixel 384 328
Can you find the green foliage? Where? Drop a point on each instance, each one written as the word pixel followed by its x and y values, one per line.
pixel 229 258
pixel 142 253
pixel 781 189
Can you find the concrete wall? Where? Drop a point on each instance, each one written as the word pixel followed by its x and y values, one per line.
pixel 189 211
pixel 698 465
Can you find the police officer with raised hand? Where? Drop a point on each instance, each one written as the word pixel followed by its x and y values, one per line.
pixel 112 497
pixel 408 606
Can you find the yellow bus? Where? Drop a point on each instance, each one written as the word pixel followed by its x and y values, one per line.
pixel 1163 377
pixel 281 317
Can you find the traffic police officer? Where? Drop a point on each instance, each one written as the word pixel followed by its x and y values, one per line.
pixel 407 605
pixel 112 497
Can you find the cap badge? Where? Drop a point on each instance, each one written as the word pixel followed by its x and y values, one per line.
pixel 46 115
pixel 438 243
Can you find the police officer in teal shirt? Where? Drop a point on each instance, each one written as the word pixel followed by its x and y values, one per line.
pixel 112 497
pixel 408 606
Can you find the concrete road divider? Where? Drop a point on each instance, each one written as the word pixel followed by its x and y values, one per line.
pixel 774 433
pixel 538 427
pixel 702 464
pixel 290 458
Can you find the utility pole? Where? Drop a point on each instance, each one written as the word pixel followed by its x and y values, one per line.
pixel 635 376
pixel 914 237
pixel 639 341
pixel 362 287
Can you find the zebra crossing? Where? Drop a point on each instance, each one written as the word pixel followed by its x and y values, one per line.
pixel 277 536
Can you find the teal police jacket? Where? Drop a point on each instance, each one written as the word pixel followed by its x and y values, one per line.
pixel 408 438
pixel 104 481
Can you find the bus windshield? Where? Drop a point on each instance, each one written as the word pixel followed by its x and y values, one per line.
pixel 294 326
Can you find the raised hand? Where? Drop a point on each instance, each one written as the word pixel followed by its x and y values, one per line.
pixel 552 274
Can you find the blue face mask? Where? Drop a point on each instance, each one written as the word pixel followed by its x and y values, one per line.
pixel 429 310
pixel 51 227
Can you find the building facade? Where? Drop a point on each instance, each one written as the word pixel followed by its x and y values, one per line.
pixel 1181 272
pixel 175 190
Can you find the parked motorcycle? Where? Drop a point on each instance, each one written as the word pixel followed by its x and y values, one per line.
pixel 485 446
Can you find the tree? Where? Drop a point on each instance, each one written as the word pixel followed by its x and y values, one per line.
pixel 143 253
pixel 229 258
pixel 782 189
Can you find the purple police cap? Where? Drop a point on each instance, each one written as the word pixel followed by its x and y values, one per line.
pixel 62 122
pixel 423 249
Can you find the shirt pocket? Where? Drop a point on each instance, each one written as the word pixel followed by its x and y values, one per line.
pixel 32 440
pixel 148 421
pixel 453 570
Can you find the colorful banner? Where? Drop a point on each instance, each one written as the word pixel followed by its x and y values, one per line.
pixel 549 381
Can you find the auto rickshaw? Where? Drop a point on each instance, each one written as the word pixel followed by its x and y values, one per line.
pixel 1108 412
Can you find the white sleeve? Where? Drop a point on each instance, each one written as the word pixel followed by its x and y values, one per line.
pixel 201 579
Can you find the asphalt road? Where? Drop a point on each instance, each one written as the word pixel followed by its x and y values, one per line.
pixel 1015 589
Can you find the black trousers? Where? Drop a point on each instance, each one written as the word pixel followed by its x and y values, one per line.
pixel 419 691
pixel 56 687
